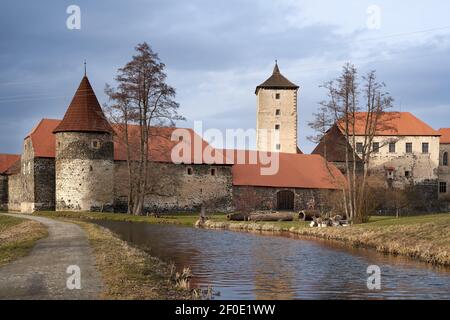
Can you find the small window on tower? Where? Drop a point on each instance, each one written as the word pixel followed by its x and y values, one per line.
pixel 277 112
pixel 278 146
pixel 277 96
pixel 189 171
pixel 95 144
pixel 213 171
pixel 277 127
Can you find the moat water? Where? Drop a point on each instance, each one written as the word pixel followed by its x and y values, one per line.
pixel 260 266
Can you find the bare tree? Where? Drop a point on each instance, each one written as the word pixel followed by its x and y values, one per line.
pixel 142 98
pixel 357 110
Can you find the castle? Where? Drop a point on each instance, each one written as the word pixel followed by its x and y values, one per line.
pixel 79 163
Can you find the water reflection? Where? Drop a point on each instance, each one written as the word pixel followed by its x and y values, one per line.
pixel 249 266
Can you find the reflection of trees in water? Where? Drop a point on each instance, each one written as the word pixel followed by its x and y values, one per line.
pixel 273 279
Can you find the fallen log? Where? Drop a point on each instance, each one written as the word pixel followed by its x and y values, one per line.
pixel 279 216
pixel 237 216
pixel 308 215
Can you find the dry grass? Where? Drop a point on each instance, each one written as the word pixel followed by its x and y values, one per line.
pixel 426 237
pixel 17 237
pixel 130 273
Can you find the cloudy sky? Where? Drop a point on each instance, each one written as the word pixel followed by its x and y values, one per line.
pixel 216 52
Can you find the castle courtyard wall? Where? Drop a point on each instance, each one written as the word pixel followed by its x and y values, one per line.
pixel 178 188
pixel 265 198
pixel 3 192
pixel 15 192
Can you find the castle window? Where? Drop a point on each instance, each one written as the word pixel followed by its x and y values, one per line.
pixel 425 147
pixel 408 147
pixel 189 171
pixel 445 159
pixel 442 187
pixel 90 168
pixel 277 127
pixel 213 171
pixel 278 146
pixel 407 174
pixel 277 112
pixel 375 147
pixel 95 144
pixel 359 147
pixel 277 96
pixel 392 147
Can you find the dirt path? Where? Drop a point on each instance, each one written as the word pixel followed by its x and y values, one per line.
pixel 43 273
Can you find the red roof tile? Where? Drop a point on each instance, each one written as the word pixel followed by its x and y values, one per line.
pixel 394 124
pixel 7 161
pixel 84 113
pixel 294 170
pixel 445 135
pixel 44 142
pixel 43 139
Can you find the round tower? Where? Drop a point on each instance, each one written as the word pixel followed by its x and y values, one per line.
pixel 84 155
pixel 276 124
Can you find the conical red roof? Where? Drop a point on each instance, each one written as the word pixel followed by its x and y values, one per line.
pixel 84 113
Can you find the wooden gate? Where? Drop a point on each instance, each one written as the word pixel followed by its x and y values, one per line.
pixel 285 200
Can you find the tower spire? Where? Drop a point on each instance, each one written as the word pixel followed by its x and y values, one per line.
pixel 85 67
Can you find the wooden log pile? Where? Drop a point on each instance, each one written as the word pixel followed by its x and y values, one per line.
pixel 261 216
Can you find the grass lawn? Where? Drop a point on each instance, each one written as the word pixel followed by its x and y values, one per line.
pixel 17 237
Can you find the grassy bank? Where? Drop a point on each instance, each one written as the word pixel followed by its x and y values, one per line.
pixel 425 237
pixel 181 219
pixel 17 237
pixel 130 273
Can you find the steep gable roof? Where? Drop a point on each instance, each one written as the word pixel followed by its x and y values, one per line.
pixel 276 81
pixel 7 161
pixel 43 139
pixel 393 124
pixel 84 113
pixel 445 135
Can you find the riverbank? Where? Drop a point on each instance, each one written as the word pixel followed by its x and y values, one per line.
pixel 17 237
pixel 425 237
pixel 130 273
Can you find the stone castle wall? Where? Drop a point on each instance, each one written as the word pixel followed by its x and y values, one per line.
pixel 15 192
pixel 177 188
pixel 3 192
pixel 265 198
pixel 84 171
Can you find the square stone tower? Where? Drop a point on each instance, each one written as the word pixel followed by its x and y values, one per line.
pixel 276 122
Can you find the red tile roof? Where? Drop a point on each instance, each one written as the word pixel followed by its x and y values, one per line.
pixel 7 161
pixel 294 170
pixel 44 142
pixel 445 135
pixel 84 113
pixel 43 139
pixel 393 124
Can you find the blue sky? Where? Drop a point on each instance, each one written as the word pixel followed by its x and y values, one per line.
pixel 216 52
